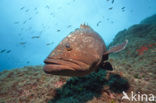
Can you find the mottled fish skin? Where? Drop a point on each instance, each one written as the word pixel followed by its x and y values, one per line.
pixel 79 54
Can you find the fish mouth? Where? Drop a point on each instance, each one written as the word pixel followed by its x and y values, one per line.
pixel 60 66
pixel 49 61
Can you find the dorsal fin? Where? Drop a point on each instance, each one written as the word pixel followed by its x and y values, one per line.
pixel 84 26
pixel 117 48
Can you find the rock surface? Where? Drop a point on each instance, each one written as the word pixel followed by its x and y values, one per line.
pixel 149 20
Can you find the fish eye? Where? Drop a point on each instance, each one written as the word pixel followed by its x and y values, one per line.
pixel 68 47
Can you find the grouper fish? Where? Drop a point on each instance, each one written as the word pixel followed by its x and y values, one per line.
pixel 80 53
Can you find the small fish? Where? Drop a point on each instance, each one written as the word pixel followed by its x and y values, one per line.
pixel 98 23
pixel 49 43
pixel 22 29
pixel 40 32
pixel 27 10
pixel 24 21
pixel 28 62
pixel 80 53
pixel 47 7
pixel 51 13
pixel 22 43
pixel 112 1
pixel 2 50
pixel 19 34
pixel 131 11
pixel 30 28
pixel 16 22
pixel 123 8
pixel 69 26
pixel 30 18
pixel 35 8
pixel 110 8
pixel 107 19
pixel 8 51
pixel 22 8
pixel 33 37
pixel 58 30
pixel 112 22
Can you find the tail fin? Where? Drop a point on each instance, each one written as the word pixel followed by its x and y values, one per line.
pixel 117 48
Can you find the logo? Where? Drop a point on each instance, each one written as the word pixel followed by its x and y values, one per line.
pixel 139 97
pixel 125 96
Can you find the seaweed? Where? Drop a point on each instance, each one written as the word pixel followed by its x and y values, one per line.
pixel 83 89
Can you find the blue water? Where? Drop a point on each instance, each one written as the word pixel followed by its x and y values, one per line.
pixel 30 29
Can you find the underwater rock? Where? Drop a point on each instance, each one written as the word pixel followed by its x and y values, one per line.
pixel 138 61
pixel 139 36
pixel 28 85
pixel 149 20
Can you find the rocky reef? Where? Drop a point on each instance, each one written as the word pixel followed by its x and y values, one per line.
pixel 138 61
pixel 149 20
pixel 134 70
pixel 32 85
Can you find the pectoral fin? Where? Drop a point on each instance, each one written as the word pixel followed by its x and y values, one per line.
pixel 117 48
pixel 106 66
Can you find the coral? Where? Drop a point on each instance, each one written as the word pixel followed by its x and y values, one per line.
pixel 141 50
pixel 145 47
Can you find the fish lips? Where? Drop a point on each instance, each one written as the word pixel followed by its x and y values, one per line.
pixel 59 66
